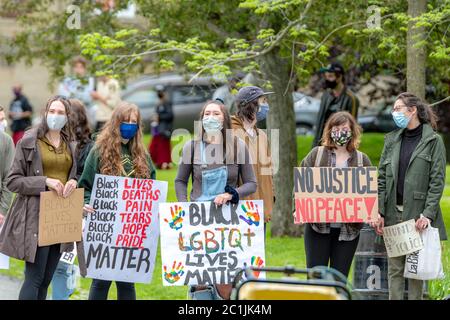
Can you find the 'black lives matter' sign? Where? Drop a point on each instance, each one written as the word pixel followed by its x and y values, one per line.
pixel 121 237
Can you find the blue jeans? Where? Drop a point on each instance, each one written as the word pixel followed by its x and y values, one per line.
pixel 63 283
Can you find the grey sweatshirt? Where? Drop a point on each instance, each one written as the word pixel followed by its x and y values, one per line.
pixel 214 159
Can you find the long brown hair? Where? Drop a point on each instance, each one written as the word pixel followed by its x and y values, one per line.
pixel 337 119
pixel 81 128
pixel 248 111
pixel 424 111
pixel 66 131
pixel 226 128
pixel 109 144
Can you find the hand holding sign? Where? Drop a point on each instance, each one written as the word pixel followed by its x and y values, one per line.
pixel 252 214
pixel 56 185
pixel 175 273
pixel 69 187
pixel 177 213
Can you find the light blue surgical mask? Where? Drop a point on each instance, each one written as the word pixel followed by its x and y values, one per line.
pixel 56 121
pixel 400 119
pixel 262 112
pixel 211 124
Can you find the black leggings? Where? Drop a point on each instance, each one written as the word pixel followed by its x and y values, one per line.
pixel 39 274
pixel 100 288
pixel 327 250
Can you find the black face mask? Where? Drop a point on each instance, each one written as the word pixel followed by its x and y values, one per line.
pixel 330 84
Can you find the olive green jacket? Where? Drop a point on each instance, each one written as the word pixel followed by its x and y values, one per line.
pixel 424 179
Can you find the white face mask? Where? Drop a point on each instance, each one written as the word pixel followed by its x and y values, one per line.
pixel 3 125
pixel 56 121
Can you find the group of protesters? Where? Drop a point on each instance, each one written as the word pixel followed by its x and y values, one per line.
pixel 224 163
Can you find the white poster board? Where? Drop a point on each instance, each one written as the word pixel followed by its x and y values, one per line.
pixel 204 244
pixel 121 237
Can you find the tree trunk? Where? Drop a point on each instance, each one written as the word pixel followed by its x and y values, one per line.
pixel 282 118
pixel 415 57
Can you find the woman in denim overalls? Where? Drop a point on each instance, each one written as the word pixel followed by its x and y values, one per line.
pixel 216 160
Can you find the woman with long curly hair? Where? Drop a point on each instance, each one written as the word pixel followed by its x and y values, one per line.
pixel 118 151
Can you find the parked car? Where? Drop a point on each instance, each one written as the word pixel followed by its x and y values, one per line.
pixel 307 110
pixel 380 121
pixel 187 98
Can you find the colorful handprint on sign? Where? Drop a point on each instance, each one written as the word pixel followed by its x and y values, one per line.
pixel 252 214
pixel 257 262
pixel 177 213
pixel 175 273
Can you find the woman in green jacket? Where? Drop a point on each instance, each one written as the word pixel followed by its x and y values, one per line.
pixel 411 181
pixel 118 151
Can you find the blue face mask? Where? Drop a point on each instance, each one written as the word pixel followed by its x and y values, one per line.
pixel 211 124
pixel 400 119
pixel 262 112
pixel 128 130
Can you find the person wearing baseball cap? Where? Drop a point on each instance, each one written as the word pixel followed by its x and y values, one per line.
pixel 337 97
pixel 252 106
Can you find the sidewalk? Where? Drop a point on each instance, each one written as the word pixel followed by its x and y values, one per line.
pixel 9 288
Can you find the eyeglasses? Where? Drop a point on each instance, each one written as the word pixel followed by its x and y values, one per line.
pixel 397 109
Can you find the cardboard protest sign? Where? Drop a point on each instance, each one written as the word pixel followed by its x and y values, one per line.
pixel 329 194
pixel 402 239
pixel 121 237
pixel 202 243
pixel 60 218
pixel 69 257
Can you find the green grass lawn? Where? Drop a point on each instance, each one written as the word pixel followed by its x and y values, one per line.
pixel 279 251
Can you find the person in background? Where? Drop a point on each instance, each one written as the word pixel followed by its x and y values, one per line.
pixel 107 97
pixel 214 160
pixel 118 151
pixel 162 126
pixel 227 93
pixel 3 121
pixel 44 160
pixel 6 156
pixel 411 180
pixel 337 97
pixel 20 112
pixel 63 283
pixel 334 244
pixel 252 106
pixel 79 86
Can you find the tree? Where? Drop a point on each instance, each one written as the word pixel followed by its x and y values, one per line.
pixel 279 40
pixel 415 56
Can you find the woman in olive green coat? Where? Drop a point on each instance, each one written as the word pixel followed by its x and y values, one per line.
pixel 411 181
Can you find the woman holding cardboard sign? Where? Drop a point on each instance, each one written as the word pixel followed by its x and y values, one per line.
pixel 118 151
pixel 411 181
pixel 44 160
pixel 215 160
pixel 334 244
